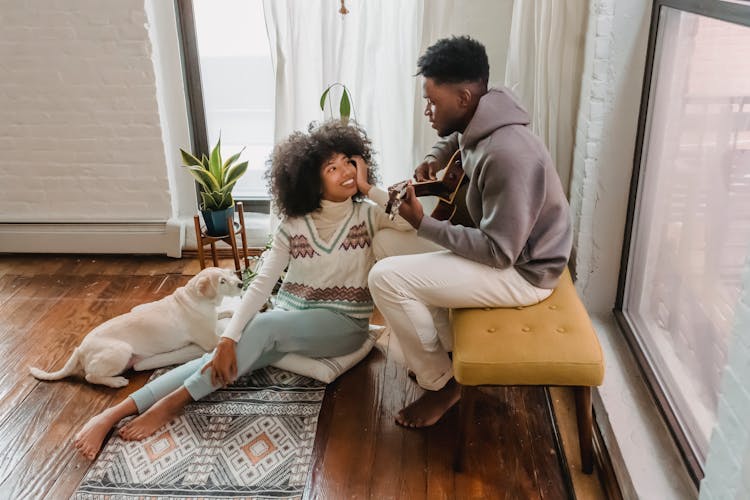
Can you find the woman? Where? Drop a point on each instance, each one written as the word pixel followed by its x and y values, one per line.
pixel 318 181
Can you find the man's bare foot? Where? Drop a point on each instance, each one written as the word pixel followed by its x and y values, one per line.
pixel 430 407
pixel 160 414
pixel 88 441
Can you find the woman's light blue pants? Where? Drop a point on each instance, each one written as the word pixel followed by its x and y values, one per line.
pixel 315 333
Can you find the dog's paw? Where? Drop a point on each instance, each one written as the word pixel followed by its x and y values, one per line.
pixel 114 382
pixel 118 382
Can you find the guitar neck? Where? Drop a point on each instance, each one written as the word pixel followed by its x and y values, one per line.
pixel 431 188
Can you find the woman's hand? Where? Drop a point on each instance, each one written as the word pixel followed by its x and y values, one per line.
pixel 224 363
pixel 362 170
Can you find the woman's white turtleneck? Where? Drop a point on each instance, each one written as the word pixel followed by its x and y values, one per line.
pixel 329 217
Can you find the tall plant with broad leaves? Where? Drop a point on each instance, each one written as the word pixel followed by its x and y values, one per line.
pixel 216 178
pixel 345 103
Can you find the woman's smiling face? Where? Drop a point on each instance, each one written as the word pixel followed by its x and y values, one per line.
pixel 338 176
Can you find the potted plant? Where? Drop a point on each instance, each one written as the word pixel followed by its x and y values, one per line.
pixel 216 180
pixel 345 104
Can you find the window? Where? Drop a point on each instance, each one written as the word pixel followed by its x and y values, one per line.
pixel 688 235
pixel 232 60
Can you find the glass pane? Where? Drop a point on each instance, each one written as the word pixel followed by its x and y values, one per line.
pixel 692 228
pixel 238 84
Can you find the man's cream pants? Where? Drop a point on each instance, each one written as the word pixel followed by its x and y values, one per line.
pixel 414 292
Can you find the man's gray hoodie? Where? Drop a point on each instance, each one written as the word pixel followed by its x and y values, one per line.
pixel 515 199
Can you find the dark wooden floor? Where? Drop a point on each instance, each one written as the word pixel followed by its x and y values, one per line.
pixel 48 303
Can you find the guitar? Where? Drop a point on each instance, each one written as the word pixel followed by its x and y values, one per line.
pixel 450 191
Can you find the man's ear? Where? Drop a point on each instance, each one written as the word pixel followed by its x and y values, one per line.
pixel 465 96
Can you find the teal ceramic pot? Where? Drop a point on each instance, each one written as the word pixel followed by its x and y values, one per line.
pixel 216 221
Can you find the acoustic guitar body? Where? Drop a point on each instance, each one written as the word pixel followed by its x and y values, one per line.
pixel 455 212
pixel 451 193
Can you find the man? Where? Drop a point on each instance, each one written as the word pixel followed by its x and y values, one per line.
pixel 522 239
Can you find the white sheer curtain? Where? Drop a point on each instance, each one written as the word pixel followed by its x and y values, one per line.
pixel 545 58
pixel 372 50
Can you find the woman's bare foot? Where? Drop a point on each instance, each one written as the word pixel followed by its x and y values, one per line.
pixel 430 407
pixel 88 441
pixel 160 414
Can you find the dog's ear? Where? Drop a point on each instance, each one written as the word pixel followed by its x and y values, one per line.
pixel 206 287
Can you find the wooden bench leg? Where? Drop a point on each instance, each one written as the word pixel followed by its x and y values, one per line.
pixel 466 411
pixel 585 428
pixel 458 457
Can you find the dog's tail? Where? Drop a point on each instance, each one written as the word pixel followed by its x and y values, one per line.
pixel 70 368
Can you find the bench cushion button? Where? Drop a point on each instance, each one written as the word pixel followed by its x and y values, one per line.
pixel 560 330
pixel 491 330
pixel 525 329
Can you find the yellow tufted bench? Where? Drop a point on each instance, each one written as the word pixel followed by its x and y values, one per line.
pixel 550 343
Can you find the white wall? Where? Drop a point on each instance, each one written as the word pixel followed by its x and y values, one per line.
pixel 80 130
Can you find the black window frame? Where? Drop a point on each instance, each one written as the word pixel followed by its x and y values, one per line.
pixel 188 42
pixel 730 11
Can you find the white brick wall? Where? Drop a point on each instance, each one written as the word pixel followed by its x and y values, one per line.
pixel 728 463
pixel 596 100
pixel 79 125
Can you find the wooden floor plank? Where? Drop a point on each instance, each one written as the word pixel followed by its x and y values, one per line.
pixel 88 302
pixel 27 428
pixel 10 285
pixel 32 264
pixel 45 341
pixel 389 439
pixel 20 309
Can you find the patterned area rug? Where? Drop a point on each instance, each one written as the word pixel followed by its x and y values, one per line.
pixel 253 439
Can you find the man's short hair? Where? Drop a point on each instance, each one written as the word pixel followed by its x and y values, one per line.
pixel 455 60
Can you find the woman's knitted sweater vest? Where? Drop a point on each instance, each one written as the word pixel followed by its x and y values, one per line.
pixel 329 274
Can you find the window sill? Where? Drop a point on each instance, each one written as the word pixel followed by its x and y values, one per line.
pixel 647 463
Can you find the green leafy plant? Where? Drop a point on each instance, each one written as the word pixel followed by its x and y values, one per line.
pixel 216 178
pixel 345 104
pixel 249 274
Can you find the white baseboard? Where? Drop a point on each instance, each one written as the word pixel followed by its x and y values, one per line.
pixel 106 238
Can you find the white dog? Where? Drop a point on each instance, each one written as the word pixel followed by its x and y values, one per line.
pixel 175 329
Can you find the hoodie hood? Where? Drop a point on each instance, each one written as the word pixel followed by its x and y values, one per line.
pixel 497 108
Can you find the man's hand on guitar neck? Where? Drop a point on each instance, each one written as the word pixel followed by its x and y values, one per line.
pixel 410 208
pixel 427 170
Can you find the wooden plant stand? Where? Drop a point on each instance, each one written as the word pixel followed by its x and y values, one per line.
pixel 202 239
